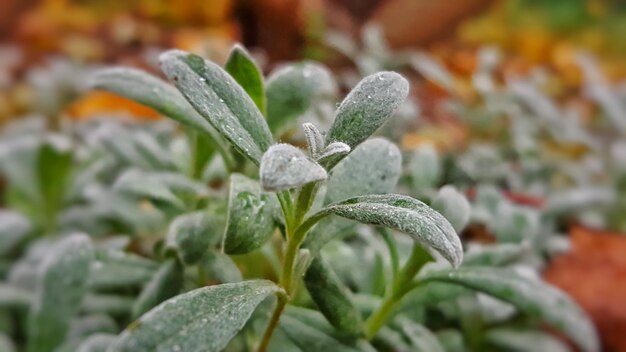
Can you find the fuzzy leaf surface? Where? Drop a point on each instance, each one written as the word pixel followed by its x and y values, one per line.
pixel 205 319
pixel 285 167
pixel 251 212
pixel 367 107
pixel 406 214
pixel 220 100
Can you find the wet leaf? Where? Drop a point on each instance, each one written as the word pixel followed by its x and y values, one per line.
pixel 220 100
pixel 423 224
pixel 534 298
pixel 205 319
pixel 251 212
pixel 367 107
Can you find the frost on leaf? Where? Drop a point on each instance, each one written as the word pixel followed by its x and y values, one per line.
pixel 285 167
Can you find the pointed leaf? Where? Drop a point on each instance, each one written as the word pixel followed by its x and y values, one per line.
pixel 190 235
pixel 220 100
pixel 534 298
pixel 245 71
pixel 285 167
pixel 367 107
pixel 423 224
pixel 251 212
pixel 332 297
pixel 292 89
pixel 166 283
pixel 205 319
pixel 151 91
pixel 61 285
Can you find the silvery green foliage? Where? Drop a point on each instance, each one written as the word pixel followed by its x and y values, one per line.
pixel 334 150
pixel 424 168
pixel 573 200
pixel 518 340
pixel 166 282
pixel 532 297
pixel 221 100
pixel 367 107
pixel 285 167
pixel 332 297
pixel 314 139
pixel 495 255
pixel 373 167
pixel 293 89
pixel 405 214
pixel 245 71
pixel 168 188
pixel 251 216
pixel 113 269
pixel 61 284
pixel 13 296
pixel 151 91
pixel 453 206
pixel 14 227
pixel 433 70
pixel 220 267
pixel 97 343
pixel 311 332
pixel 204 319
pixel 483 163
pixel 422 339
pixel 189 236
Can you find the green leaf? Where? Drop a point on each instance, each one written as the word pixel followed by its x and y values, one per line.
pixel 111 304
pixel 97 343
pixel 151 91
pixel 332 297
pixel 166 283
pixel 12 296
pixel 421 339
pixel 308 330
pixel 514 340
pixel 285 167
pixel 373 167
pixel 54 169
pixel 245 71
pixel 115 269
pixel 453 206
pixel 189 236
pixel 494 255
pixel 251 212
pixel 61 284
pixel 367 107
pixel 220 267
pixel 14 227
pixel 424 168
pixel 205 319
pixel 534 298
pixel 423 224
pixel 220 100
pixel 292 90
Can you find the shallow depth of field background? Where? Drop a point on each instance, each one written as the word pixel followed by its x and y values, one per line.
pixel 534 38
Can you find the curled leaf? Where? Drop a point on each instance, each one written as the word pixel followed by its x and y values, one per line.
pixel 285 167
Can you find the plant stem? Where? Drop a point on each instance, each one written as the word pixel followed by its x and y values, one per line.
pixel 402 284
pixel 273 323
pixel 393 250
